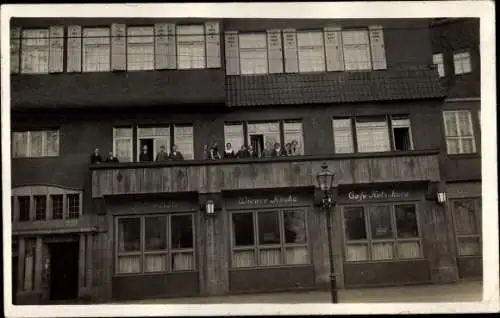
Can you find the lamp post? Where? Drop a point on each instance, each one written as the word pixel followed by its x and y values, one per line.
pixel 326 183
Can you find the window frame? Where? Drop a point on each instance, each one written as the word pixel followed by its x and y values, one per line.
pixel 152 44
pixel 28 148
pixel 172 138
pixel 49 207
pixel 461 58
pixel 23 45
pixel 169 251
pixel 83 46
pixel 368 45
pixel 257 247
pixel 438 60
pixel 478 226
pixel 127 138
pixel 459 137
pixel 323 50
pixel 177 46
pixel 395 240
pixel 265 48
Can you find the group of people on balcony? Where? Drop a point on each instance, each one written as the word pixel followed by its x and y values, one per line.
pixel 246 152
pixel 209 153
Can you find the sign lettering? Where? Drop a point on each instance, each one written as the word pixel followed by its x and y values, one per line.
pixel 276 200
pixel 377 195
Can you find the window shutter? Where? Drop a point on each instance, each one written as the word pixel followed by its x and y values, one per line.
pixel 56 49
pixel 377 46
pixel 333 48
pixel 171 47
pixel 161 46
pixel 118 47
pixel 275 52
pixel 291 54
pixel 212 38
pixel 74 48
pixel 232 53
pixel 15 49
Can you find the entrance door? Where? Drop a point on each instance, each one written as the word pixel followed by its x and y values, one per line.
pixel 64 270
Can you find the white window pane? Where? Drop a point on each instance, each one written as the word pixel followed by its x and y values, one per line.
pixel 253 41
pixel 52 145
pixel 123 149
pixel 382 251
pixel 190 55
pixel 35 59
pixel 183 139
pixel 409 250
pixel 140 57
pixel 356 253
pixel 400 123
pixel 452 145
pixel 468 145
pixel 342 134
pixel 96 50
pixel 129 264
pixel 357 57
pixel 243 258
pixel 450 121
pixel 311 59
pixel 254 62
pixel 373 136
pixel 234 134
pixel 437 58
pixel 155 263
pixel 270 257
pixel 20 144
pixel 310 39
pixel 465 123
pixel 355 37
pixel 36 143
pixel 122 132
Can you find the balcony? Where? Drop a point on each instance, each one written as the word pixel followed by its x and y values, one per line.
pixel 223 175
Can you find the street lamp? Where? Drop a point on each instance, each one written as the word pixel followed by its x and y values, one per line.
pixel 326 179
pixel 210 207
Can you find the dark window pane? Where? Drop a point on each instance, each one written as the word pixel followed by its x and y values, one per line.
pixel 40 207
pixel 465 217
pixel 355 227
pixel 269 229
pixel 57 206
pixel 243 231
pixel 295 227
pixel 129 235
pixel 380 222
pixel 406 221
pixel 24 208
pixel 73 206
pixel 182 231
pixel 156 233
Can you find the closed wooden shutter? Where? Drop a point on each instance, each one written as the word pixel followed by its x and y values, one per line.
pixel 171 47
pixel 333 48
pixel 15 49
pixel 74 58
pixel 118 47
pixel 232 53
pixel 212 38
pixel 56 49
pixel 291 54
pixel 379 60
pixel 275 51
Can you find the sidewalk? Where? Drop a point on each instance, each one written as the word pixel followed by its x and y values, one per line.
pixel 463 291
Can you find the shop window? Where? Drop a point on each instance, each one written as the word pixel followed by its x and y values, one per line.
pixel 36 143
pixel 382 232
pixel 57 206
pixel 35 51
pixel 140 48
pixel 96 50
pixel 191 46
pixel 253 53
pixel 401 134
pixel 150 244
pixel 437 59
pixel 466 214
pixel 459 132
pixel 311 51
pixel 269 238
pixel 24 208
pixel 356 45
pixel 40 207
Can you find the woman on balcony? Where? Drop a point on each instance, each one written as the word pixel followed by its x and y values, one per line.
pixel 229 152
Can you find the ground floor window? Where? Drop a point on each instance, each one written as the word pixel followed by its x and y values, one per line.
pixel 155 243
pixel 382 232
pixel 269 238
pixel 466 215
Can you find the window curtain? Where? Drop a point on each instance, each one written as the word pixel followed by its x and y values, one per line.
pixel 96 50
pixel 356 253
pixel 155 262
pixel 182 261
pixel 342 135
pixel 129 264
pixel 270 256
pixel 243 258
pixel 382 251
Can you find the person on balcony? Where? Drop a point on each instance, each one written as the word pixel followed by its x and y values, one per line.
pixel 111 158
pixel 278 151
pixel 295 147
pixel 96 157
pixel 243 153
pixel 288 149
pixel 214 151
pixel 176 154
pixel 229 152
pixel 268 151
pixel 162 155
pixel 145 156
pixel 252 152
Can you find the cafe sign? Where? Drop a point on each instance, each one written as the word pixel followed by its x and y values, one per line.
pixel 275 200
pixel 377 195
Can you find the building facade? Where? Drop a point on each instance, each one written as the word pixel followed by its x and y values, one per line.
pixel 362 96
pixel 455 44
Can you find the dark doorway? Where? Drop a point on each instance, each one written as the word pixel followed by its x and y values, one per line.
pixel 257 141
pixel 64 270
pixel 146 150
pixel 14 280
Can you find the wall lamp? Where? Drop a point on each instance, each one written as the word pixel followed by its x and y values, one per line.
pixel 441 194
pixel 210 207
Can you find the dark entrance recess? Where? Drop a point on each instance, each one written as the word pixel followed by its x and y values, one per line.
pixel 64 270
pixel 257 141
pixel 402 139
pixel 146 143
pixel 14 279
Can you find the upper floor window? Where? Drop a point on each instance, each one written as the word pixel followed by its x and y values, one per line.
pixel 154 143
pixel 253 53
pixel 356 45
pixel 266 139
pixel 372 134
pixel 191 46
pixel 437 59
pixel 35 143
pixel 35 51
pixel 311 51
pixel 96 50
pixel 459 132
pixel 140 48
pixel 462 63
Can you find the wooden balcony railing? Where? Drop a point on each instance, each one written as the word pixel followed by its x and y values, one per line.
pixel 216 176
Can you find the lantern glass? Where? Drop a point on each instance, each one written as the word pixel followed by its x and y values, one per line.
pixel 441 196
pixel 325 178
pixel 210 207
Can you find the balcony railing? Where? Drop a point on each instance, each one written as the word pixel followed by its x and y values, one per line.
pixel 216 176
